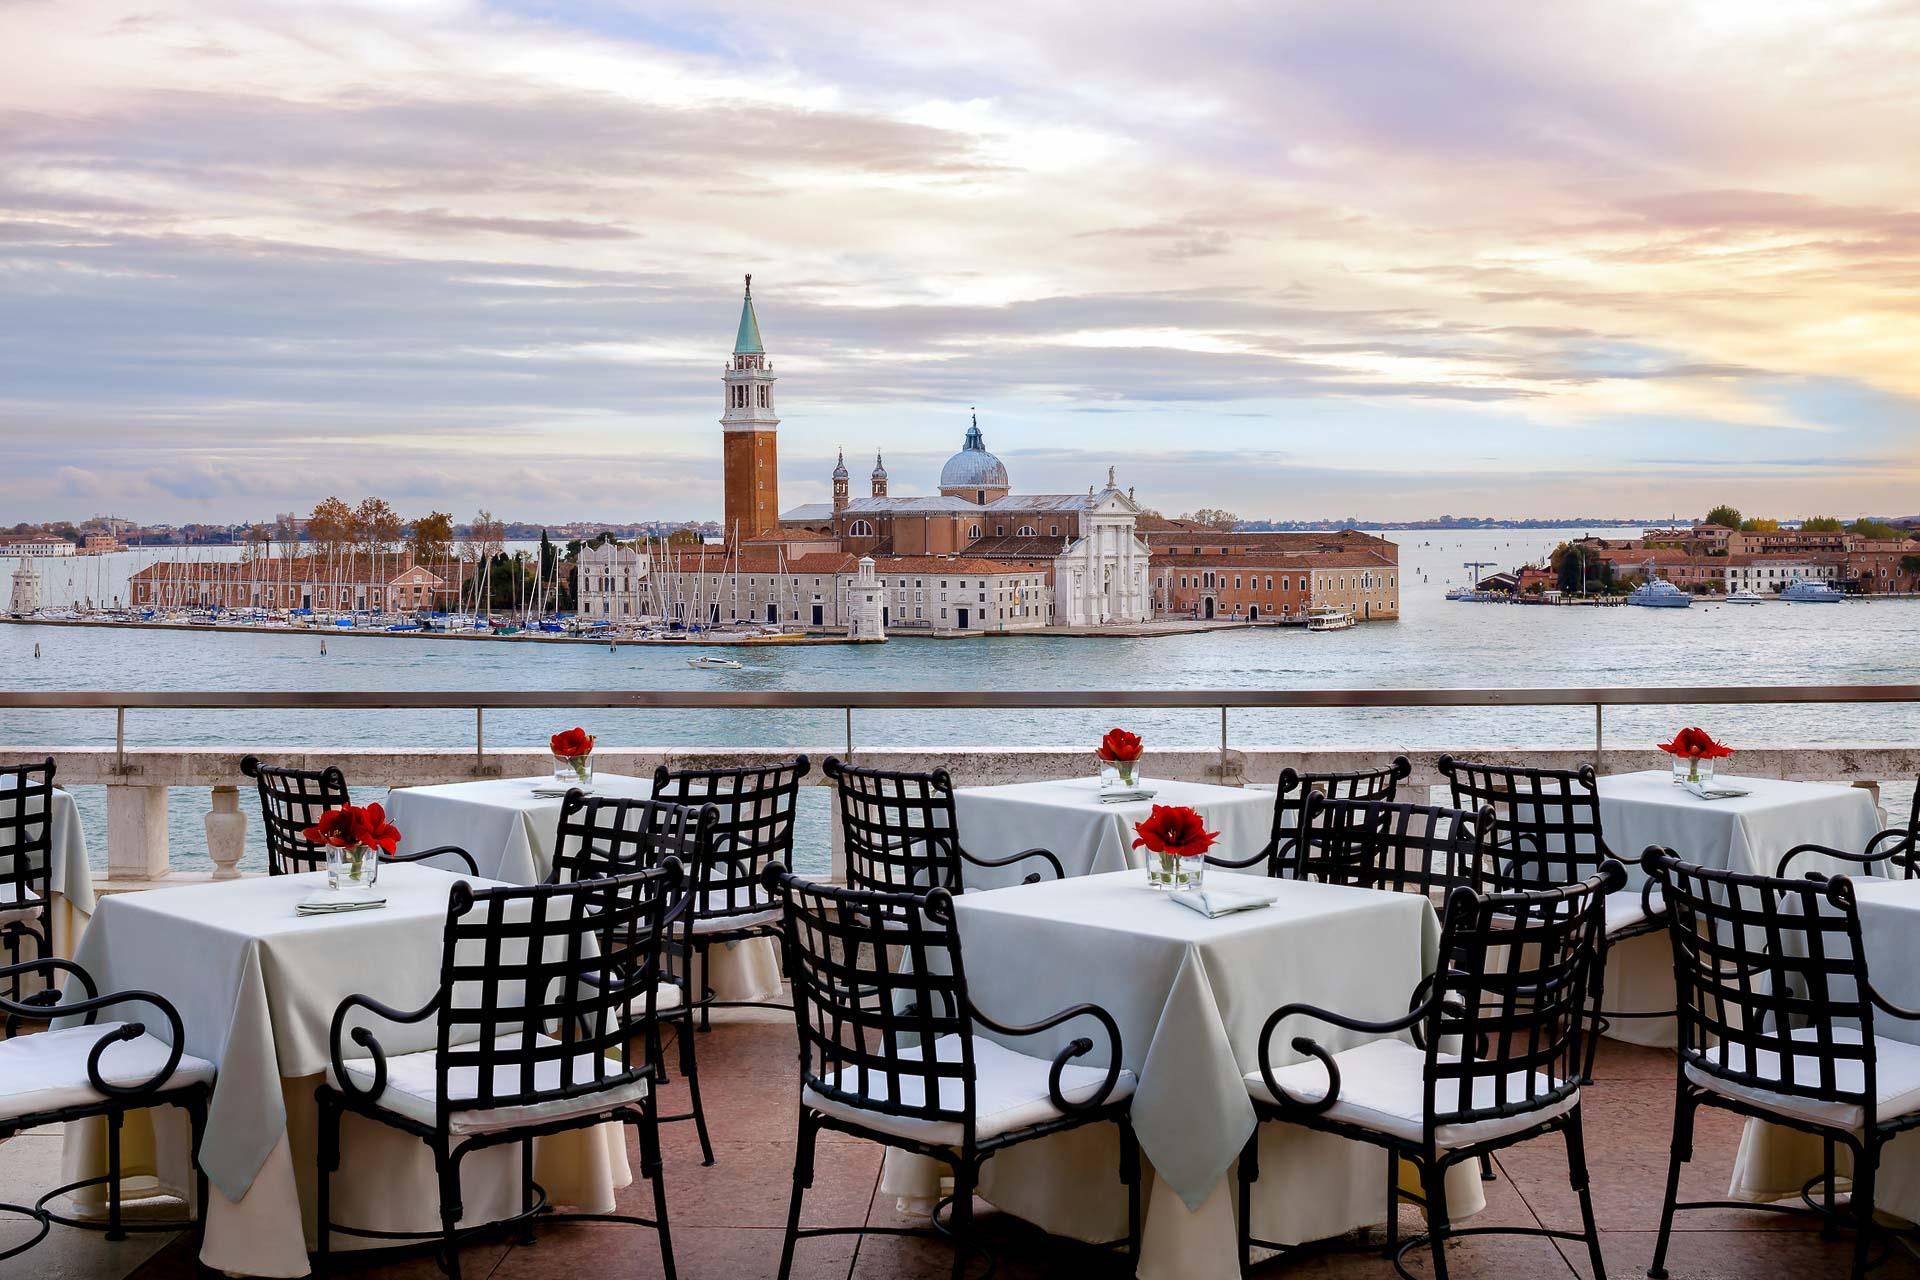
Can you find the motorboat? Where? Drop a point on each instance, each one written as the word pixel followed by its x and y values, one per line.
pixel 713 662
pixel 1657 593
pixel 1330 617
pixel 1743 596
pixel 1800 591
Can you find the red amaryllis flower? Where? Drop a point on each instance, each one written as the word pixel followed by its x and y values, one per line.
pixel 574 742
pixel 1695 744
pixel 1177 830
pixel 350 825
pixel 374 831
pixel 334 827
pixel 1119 746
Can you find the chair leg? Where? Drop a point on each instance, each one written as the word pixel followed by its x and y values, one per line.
pixel 1682 1152
pixel 702 951
pixel 690 1068
pixel 450 1211
pixel 654 1167
pixel 1486 1167
pixel 329 1125
pixel 115 1229
pixel 1249 1174
pixel 1599 994
pixel 1827 1229
pixel 1863 1178
pixel 1577 1178
pixel 1393 1203
pixel 526 1192
pixel 1130 1174
pixel 1433 1178
pixel 960 1219
pixel 802 1179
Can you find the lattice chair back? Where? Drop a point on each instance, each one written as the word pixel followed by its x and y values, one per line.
pixel 877 983
pixel 1406 848
pixel 1506 1033
pixel 754 816
pixel 1546 822
pixel 291 800
pixel 607 835
pixel 899 829
pixel 547 991
pixel 1296 790
pixel 1761 963
pixel 26 863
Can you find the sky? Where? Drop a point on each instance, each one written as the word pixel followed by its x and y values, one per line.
pixel 1299 261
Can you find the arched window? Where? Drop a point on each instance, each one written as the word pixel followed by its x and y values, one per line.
pixel 973 531
pixel 1026 531
pixel 859 529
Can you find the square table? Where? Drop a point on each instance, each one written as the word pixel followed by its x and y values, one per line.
pixel 256 985
pixel 1190 996
pixel 1749 833
pixel 513 835
pixel 71 877
pixel 1090 837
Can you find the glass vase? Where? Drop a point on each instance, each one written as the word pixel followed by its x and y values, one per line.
pixel 1120 775
pixel 1688 769
pixel 573 771
pixel 353 869
pixel 1167 872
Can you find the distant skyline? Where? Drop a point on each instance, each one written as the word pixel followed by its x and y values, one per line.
pixel 1300 262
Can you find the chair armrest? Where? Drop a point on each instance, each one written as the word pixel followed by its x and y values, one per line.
pixel 1059 872
pixel 1889 1007
pixel 91 1006
pixel 1076 1048
pixel 366 1040
pixel 1313 1049
pixel 1839 855
pixel 1269 854
pixel 445 850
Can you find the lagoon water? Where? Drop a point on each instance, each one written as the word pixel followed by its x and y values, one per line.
pixel 1435 643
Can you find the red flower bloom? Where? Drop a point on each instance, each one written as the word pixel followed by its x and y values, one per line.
pixel 1119 746
pixel 1179 831
pixel 574 742
pixel 350 825
pixel 1695 744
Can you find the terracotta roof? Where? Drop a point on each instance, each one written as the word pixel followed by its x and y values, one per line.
pixel 1045 548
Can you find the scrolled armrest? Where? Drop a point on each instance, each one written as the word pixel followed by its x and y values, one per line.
pixel 1059 872
pixel 1313 1049
pixel 445 850
pixel 366 1039
pixel 1079 1047
pixel 1269 853
pixel 91 1006
pixel 1839 855
pixel 42 1005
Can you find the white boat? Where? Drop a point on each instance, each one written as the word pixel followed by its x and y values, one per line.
pixel 1330 617
pixel 711 662
pixel 1800 591
pixel 1744 596
pixel 1657 593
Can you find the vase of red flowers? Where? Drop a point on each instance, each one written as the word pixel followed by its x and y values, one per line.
pixel 573 758
pixel 1176 840
pixel 1693 752
pixel 354 838
pixel 1119 755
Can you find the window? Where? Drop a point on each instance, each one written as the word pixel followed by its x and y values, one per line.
pixel 1028 531
pixel 1056 530
pixel 766 396
pixel 859 529
pixel 973 531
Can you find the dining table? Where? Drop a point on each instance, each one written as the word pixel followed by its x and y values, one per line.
pixel 1749 833
pixel 511 826
pixel 256 984
pixel 1190 995
pixel 1091 833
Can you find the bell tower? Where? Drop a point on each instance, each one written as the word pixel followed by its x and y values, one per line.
pixel 879 476
pixel 748 423
pixel 840 483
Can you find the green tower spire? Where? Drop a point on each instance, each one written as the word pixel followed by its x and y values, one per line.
pixel 748 342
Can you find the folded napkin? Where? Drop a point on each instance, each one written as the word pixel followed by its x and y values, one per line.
pixel 1706 792
pixel 1213 903
pixel 1127 797
pixel 331 901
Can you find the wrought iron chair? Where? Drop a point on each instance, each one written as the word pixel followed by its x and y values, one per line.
pixel 901 834
pixel 81 1069
pixel 1405 848
pixel 26 863
pixel 600 836
pixel 1546 833
pixel 1494 1058
pixel 1898 848
pixel 1290 799
pixel 291 800
pixel 1776 1020
pixel 542 1024
pixel 892 1050
pixel 756 805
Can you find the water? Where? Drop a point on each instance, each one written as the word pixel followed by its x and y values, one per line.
pixel 1437 643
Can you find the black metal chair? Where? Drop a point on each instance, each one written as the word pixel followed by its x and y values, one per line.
pixel 902 836
pixel 1893 853
pixel 26 863
pixel 1404 848
pixel 1545 833
pixel 291 800
pixel 756 805
pixel 600 836
pixel 1776 1021
pixel 1290 800
pixel 542 1024
pixel 81 1069
pixel 1494 1058
pixel 891 1050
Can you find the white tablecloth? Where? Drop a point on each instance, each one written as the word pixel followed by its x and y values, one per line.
pixel 1775 1162
pixel 1090 838
pixel 256 986
pixel 512 835
pixel 71 877
pixel 1190 996
pixel 1749 833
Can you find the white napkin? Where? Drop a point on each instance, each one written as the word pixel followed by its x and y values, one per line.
pixel 1213 903
pixel 1706 792
pixel 1127 797
pixel 329 901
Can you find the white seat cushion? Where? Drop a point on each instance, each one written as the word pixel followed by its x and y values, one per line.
pixel 710 921
pixel 1896 1079
pixel 1382 1085
pixel 667 997
pixel 17 903
pixel 1009 1093
pixel 413 1085
pixel 1625 910
pixel 48 1071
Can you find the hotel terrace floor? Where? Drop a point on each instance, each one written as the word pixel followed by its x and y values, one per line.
pixel 727 1219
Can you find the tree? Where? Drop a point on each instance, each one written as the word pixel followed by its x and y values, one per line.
pixel 1821 524
pixel 1725 516
pixel 377 524
pixel 430 538
pixel 1876 530
pixel 332 526
pixel 1759 524
pixel 1910 564
pixel 1572 562
pixel 1213 518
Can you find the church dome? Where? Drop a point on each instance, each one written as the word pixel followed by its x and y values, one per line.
pixel 973 467
pixel 840 467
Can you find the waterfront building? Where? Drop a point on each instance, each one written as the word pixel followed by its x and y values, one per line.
pixel 611 583
pixel 347 582
pixel 1259 576
pixel 817 590
pixel 1766 574
pixel 39 546
pixel 25 597
pixel 865 604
